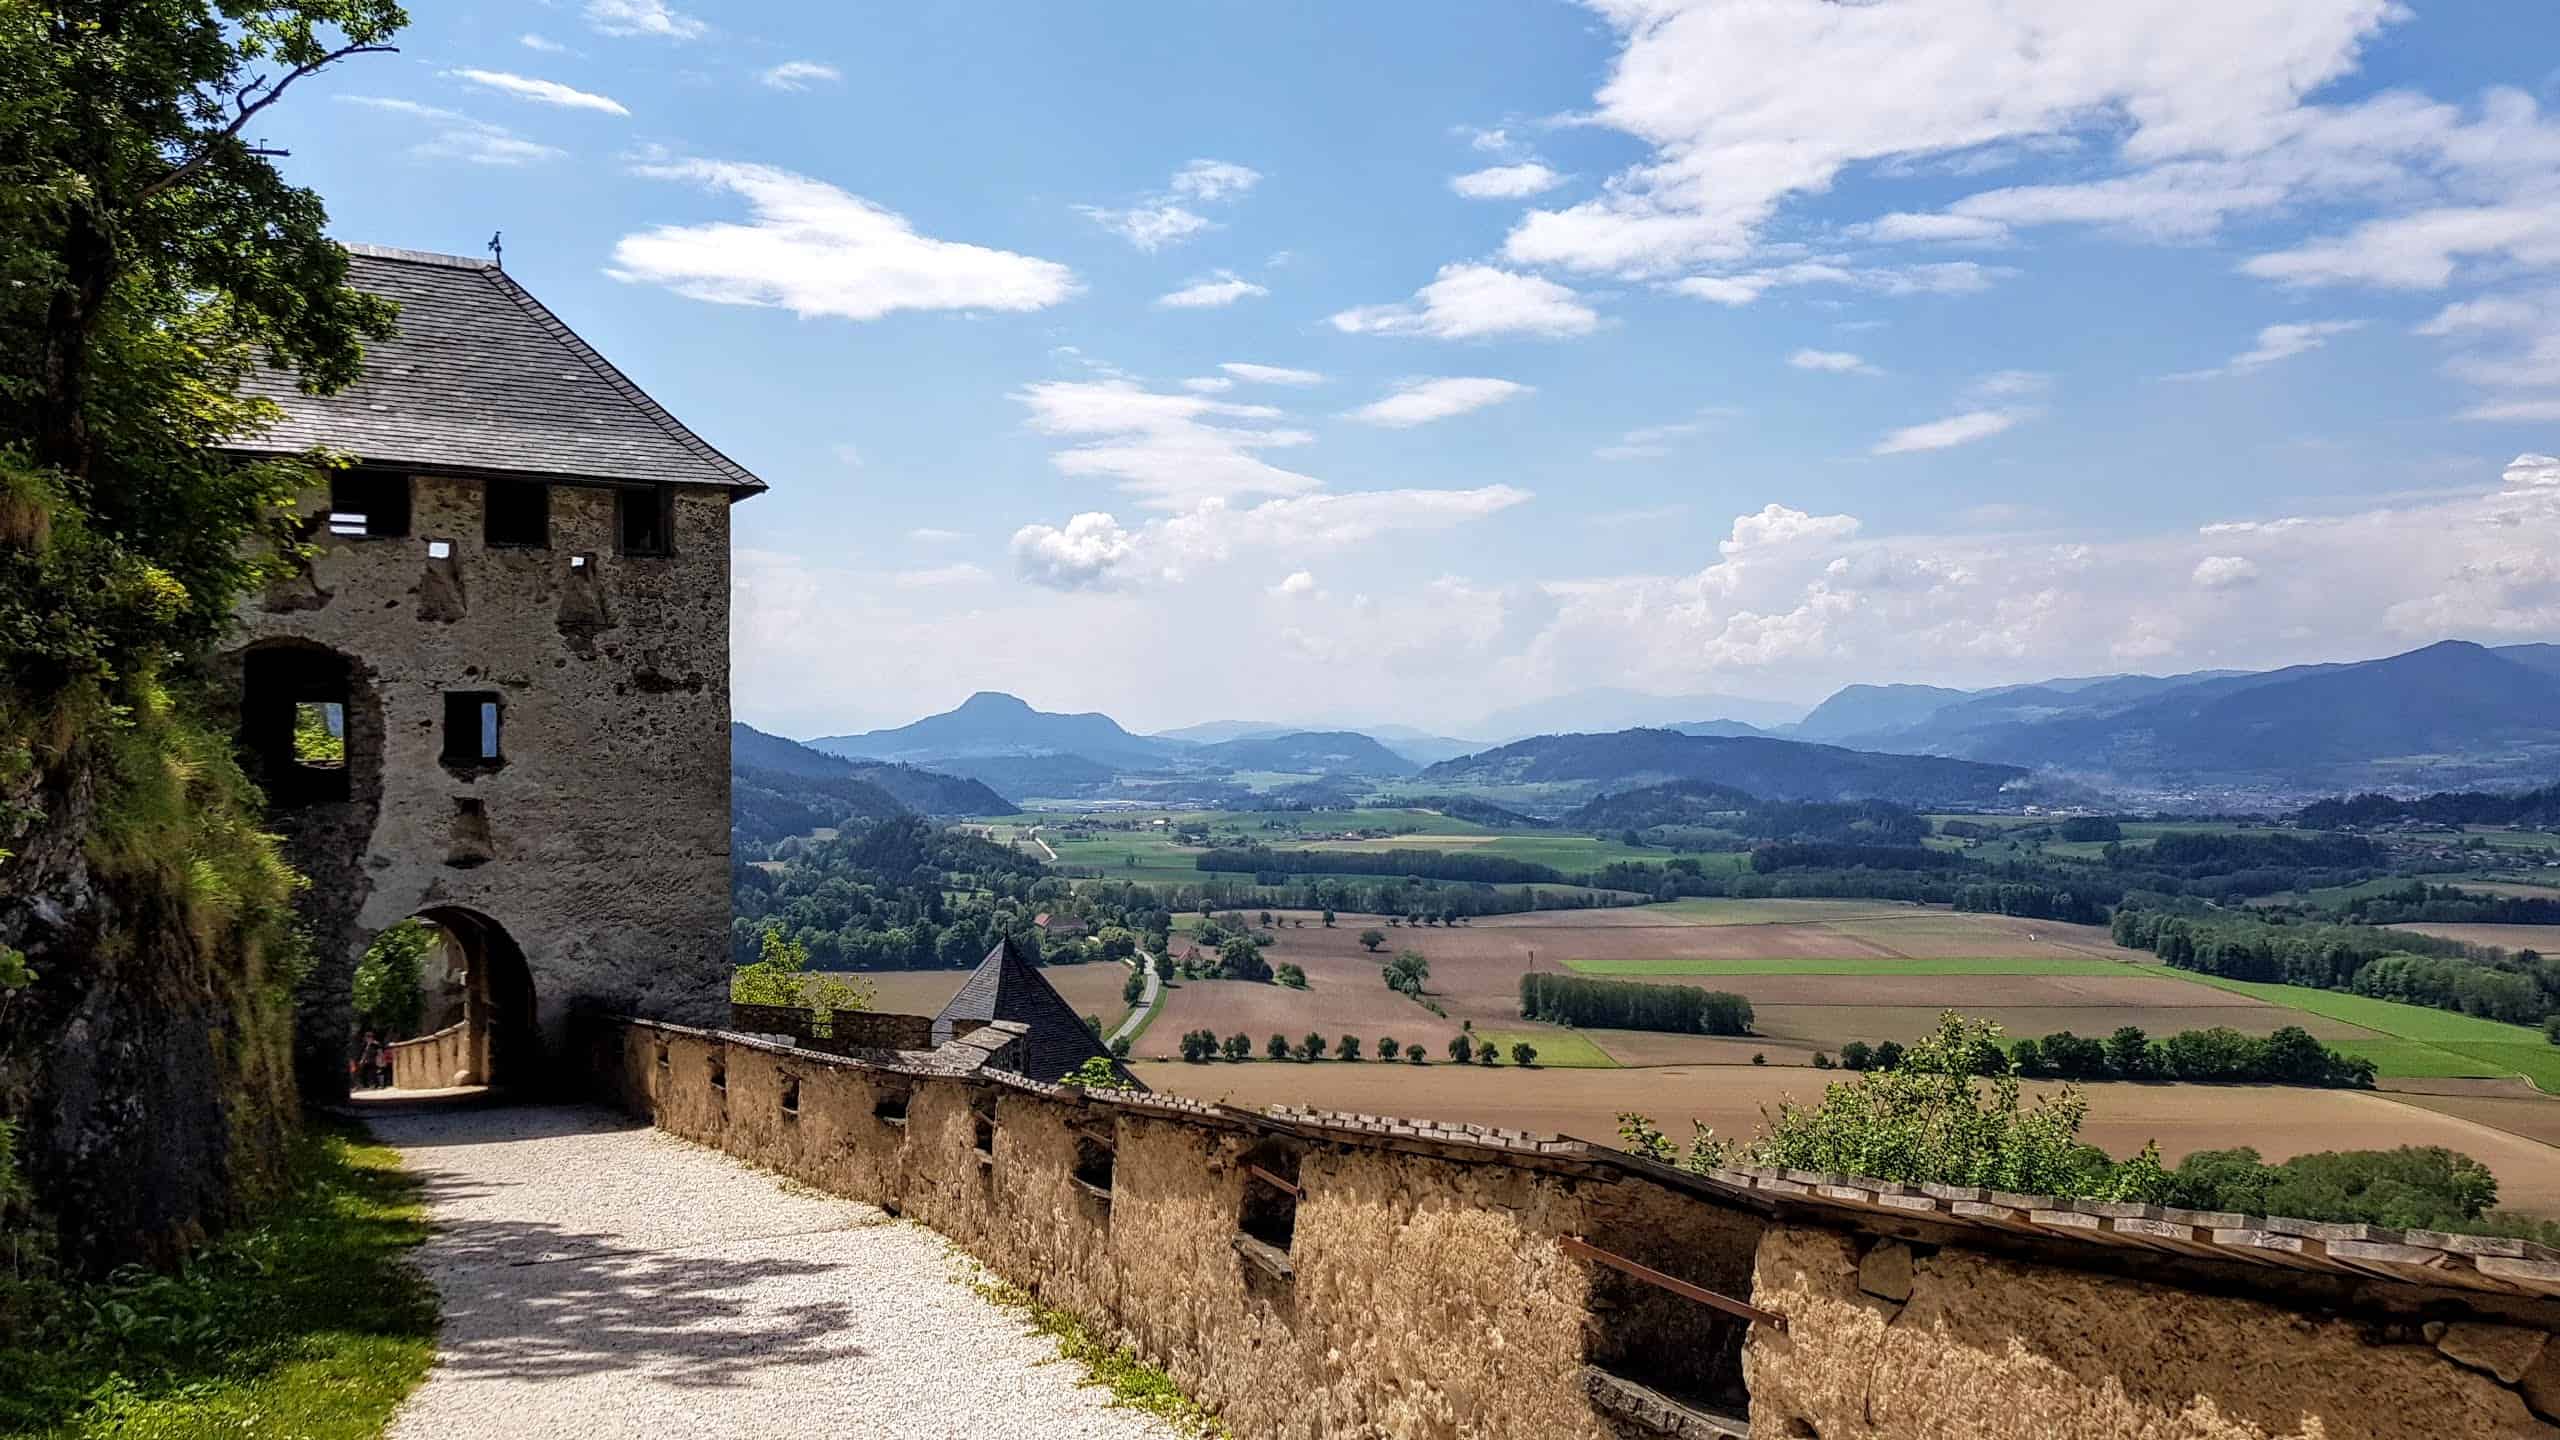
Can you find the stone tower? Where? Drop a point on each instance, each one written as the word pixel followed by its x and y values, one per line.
pixel 497 697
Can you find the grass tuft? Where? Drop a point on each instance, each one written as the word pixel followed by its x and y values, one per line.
pixel 1134 1384
pixel 311 1324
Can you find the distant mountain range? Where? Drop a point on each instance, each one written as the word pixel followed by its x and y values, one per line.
pixel 2440 717
pixel 907 787
pixel 2449 715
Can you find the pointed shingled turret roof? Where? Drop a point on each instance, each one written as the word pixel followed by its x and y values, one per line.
pixel 1005 986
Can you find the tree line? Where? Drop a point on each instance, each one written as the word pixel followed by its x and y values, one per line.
pixel 1260 860
pixel 2451 807
pixel 2521 988
pixel 1632 1005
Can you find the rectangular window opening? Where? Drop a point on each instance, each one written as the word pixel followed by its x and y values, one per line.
pixel 518 514
pixel 646 520
pixel 368 504
pixel 471 726
pixel 439 549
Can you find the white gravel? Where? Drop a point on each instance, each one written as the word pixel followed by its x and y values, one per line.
pixel 602 1279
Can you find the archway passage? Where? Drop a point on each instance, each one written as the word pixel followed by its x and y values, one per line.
pixel 476 1025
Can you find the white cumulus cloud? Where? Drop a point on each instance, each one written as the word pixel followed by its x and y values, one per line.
pixel 1467 302
pixel 813 249
pixel 1171 450
pixel 2225 572
pixel 2277 343
pixel 1831 362
pixel 1270 374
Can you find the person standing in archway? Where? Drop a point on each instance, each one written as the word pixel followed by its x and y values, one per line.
pixel 375 1064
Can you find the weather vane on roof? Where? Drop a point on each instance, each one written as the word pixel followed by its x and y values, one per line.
pixel 498 249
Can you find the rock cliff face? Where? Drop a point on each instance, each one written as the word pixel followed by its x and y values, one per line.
pixel 146 1064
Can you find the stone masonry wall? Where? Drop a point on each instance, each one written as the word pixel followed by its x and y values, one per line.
pixel 601 845
pixel 1424 1291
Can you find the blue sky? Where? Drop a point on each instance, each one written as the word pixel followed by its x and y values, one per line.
pixel 1358 363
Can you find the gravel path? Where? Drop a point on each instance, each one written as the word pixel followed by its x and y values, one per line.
pixel 602 1279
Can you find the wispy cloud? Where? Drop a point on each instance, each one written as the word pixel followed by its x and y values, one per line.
pixel 1831 362
pixel 1169 218
pixel 532 41
pixel 643 17
pixel 1270 374
pixel 1506 182
pixel 541 92
pixel 1220 290
pixel 2276 343
pixel 1944 434
pixel 813 249
pixel 460 137
pixel 1419 402
pixel 795 75
pixel 1173 451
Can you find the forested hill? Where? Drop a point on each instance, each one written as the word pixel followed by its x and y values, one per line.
pixel 1704 806
pixel 1317 752
pixel 927 792
pixel 2458 807
pixel 1771 769
pixel 889 894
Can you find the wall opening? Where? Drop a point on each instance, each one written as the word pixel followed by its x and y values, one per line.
pixel 368 504
pixel 645 519
pixel 504 1033
pixel 293 722
pixel 472 720
pixel 982 1127
pixel 1093 1165
pixel 790 1096
pixel 516 515
pixel 890 1106
pixel 1647 1341
pixel 1269 1213
pixel 720 1079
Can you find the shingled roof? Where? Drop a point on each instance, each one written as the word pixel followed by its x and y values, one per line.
pixel 481 378
pixel 1005 986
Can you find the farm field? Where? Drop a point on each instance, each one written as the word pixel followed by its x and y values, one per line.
pixel 2414 1040
pixel 2279 1123
pixel 2545 938
pixel 1131 845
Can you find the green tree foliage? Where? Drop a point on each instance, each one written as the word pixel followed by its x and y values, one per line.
pixel 1198 1046
pixel 1241 959
pixel 1133 989
pixel 1346 1047
pixel 2290 1056
pixel 1855 1055
pixel 781 976
pixel 1095 1073
pixel 1116 943
pixel 1277 1047
pixel 390 982
pixel 1936 1117
pixel 1461 1049
pixel 1239 1047
pixel 2411 1188
pixel 2388 964
pixel 1289 975
pixel 1413 1054
pixel 1632 1005
pixel 313 742
pixel 1312 1047
pixel 1523 1053
pixel 1389 1048
pixel 148 258
pixel 1408 973
pixel 1372 938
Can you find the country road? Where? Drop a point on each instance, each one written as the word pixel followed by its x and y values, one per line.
pixel 1146 1000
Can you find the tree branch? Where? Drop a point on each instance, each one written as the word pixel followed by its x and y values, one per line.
pixel 248 109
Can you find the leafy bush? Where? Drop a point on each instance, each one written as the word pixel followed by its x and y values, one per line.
pixel 1239 1046
pixel 1347 1048
pixel 1461 1049
pixel 1312 1048
pixel 1407 973
pixel 1277 1047
pixel 1389 1047
pixel 1291 976
pixel 1523 1053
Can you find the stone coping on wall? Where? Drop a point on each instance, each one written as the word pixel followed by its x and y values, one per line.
pixel 2057 1228
pixel 427 1039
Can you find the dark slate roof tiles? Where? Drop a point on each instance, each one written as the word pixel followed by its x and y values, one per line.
pixel 1005 986
pixel 482 377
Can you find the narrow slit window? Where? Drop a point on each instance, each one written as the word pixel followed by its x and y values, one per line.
pixel 366 504
pixel 472 721
pixel 646 520
pixel 791 1097
pixel 439 549
pixel 518 514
